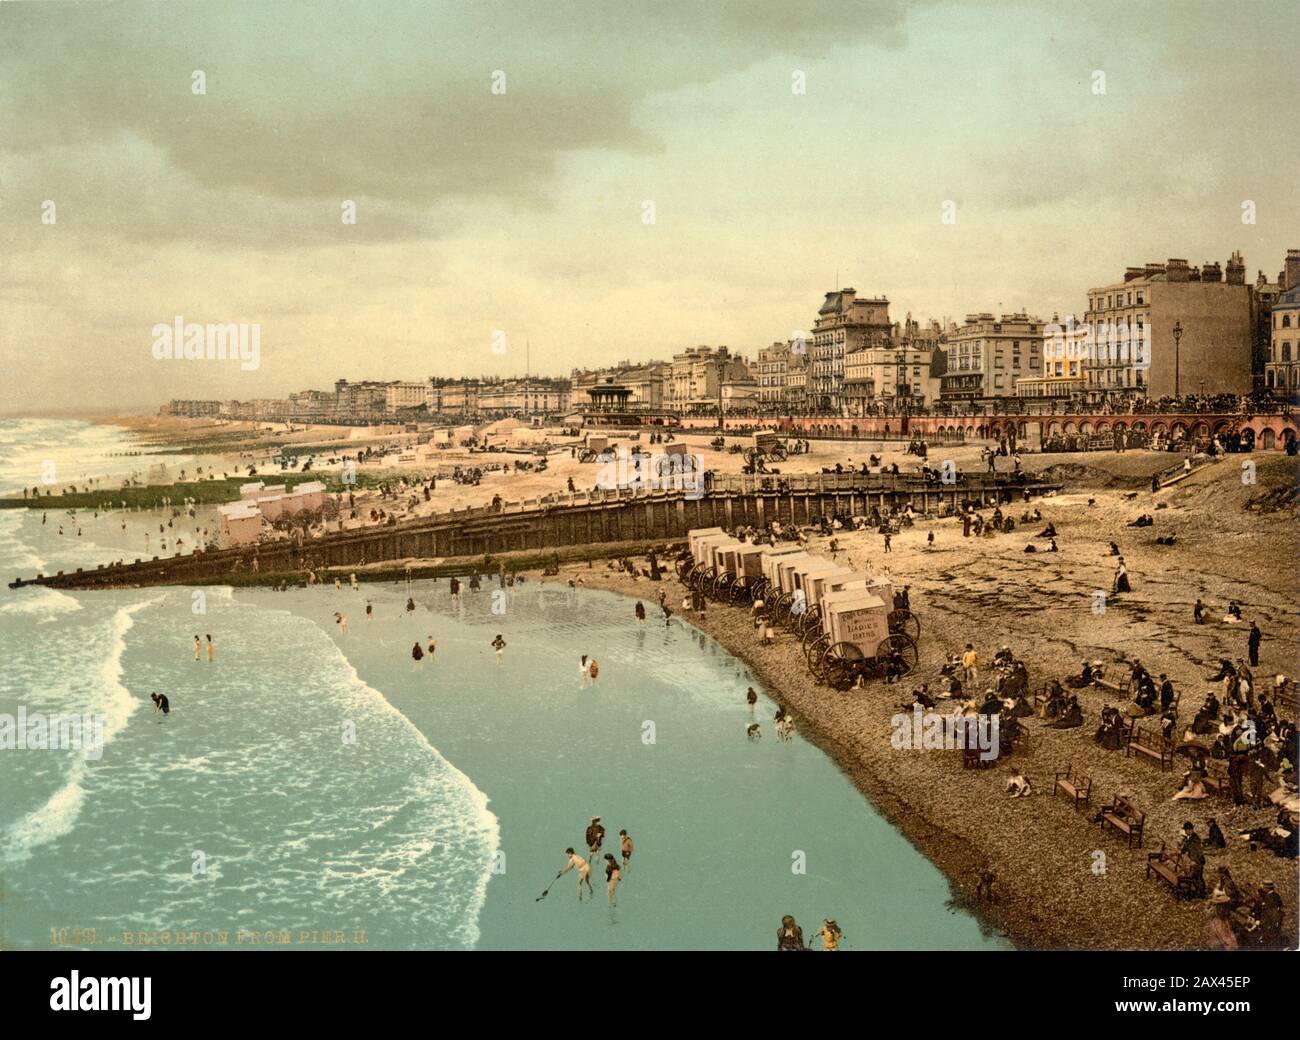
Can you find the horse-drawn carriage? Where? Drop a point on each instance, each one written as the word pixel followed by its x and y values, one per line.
pixel 595 447
pixel 766 447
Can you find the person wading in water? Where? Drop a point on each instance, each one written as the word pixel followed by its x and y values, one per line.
pixel 595 837
pixel 789 936
pixel 579 864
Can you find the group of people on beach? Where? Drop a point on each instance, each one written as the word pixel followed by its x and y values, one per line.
pixel 782 720
pixel 615 870
pixel 198 649
pixel 789 937
pixel 1239 724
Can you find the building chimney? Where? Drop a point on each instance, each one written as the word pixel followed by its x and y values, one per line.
pixel 1235 273
pixel 1211 272
pixel 1176 270
pixel 1130 273
pixel 1154 269
pixel 1292 270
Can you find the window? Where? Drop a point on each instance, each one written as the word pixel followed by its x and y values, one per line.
pixel 1139 297
pixel 1286 321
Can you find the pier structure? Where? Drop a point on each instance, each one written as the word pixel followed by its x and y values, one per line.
pixel 558 520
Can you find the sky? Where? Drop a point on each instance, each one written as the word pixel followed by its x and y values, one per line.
pixel 651 177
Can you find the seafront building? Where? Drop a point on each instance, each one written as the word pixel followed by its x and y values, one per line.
pixel 1275 311
pixel 901 374
pixel 1283 370
pixel 699 374
pixel 1065 347
pixel 1165 329
pixel 1170 329
pixel 986 355
pixel 845 324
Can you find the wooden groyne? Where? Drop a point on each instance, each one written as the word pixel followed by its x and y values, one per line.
pixel 563 520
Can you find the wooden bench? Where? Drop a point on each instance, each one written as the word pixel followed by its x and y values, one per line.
pixel 1039 698
pixel 1126 818
pixel 1151 743
pixel 1167 867
pixel 1216 777
pixel 1075 783
pixel 1100 681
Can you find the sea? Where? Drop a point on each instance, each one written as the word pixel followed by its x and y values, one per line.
pixel 314 786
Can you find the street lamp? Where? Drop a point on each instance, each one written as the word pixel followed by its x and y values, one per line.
pixel 1178 335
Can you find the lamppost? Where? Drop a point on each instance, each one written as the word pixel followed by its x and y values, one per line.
pixel 1178 335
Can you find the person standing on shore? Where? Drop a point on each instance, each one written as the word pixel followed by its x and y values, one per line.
pixel 886 541
pixel 1256 636
pixel 751 698
pixel 212 650
pixel 640 611
pixel 970 664
pixel 353 578
pixel 433 645
pixel 417 653
pixel 198 652
pixel 499 645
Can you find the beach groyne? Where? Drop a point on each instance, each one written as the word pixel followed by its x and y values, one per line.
pixel 590 518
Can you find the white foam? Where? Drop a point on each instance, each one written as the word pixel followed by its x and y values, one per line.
pixel 40 599
pixel 59 814
pixel 482 820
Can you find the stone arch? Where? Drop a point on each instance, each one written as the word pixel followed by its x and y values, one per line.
pixel 970 431
pixel 1268 439
pixel 1139 427
pixel 1103 426
pixel 1179 427
pixel 1053 428
pixel 1159 427
pixel 1221 425
pixel 1202 429
pixel 1248 436
pixel 1085 427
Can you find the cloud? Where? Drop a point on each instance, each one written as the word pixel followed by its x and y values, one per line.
pixel 307 105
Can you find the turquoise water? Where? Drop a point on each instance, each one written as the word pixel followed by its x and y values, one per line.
pixel 312 780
